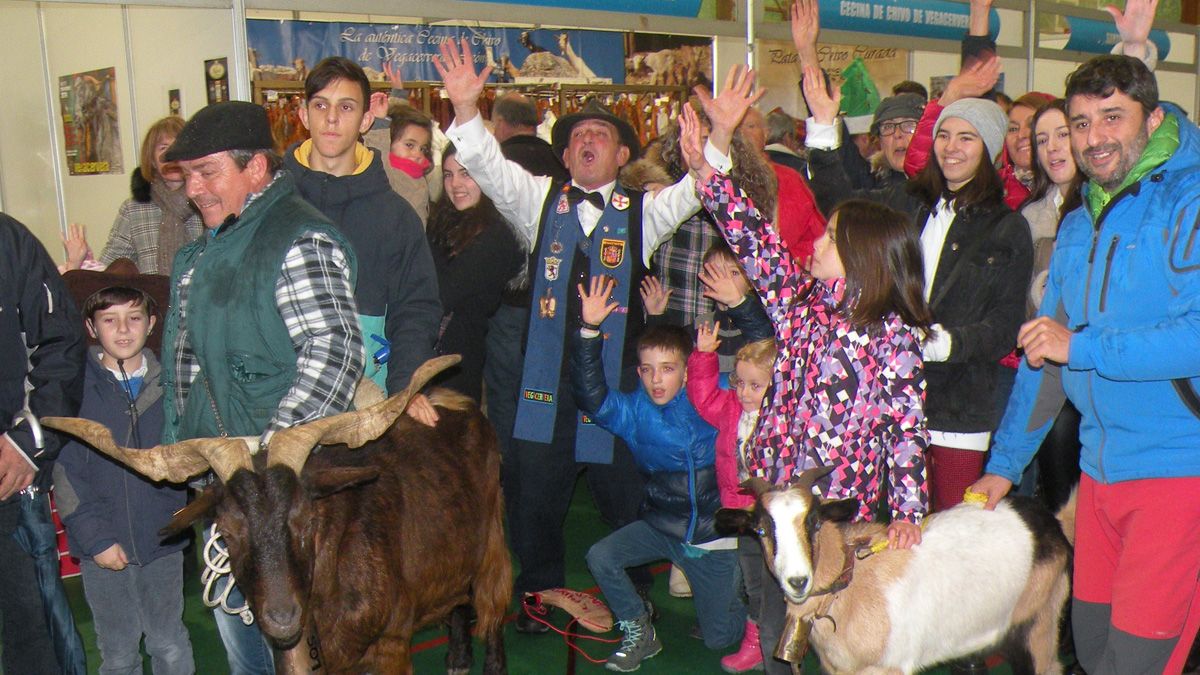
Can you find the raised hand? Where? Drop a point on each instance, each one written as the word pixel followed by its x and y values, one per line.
pixel 654 296
pixel 725 112
pixel 707 337
pixel 973 81
pixel 596 306
pixel 806 27
pixel 75 243
pixel 456 67
pixel 720 284
pixel 1134 24
pixel 977 18
pixel 393 75
pixel 690 146
pixel 824 108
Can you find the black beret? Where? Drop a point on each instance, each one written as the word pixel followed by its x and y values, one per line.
pixel 230 125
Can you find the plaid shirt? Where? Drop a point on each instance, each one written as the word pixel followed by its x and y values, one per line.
pixel 134 235
pixel 679 262
pixel 316 302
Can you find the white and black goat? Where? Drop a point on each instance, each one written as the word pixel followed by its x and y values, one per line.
pixel 979 580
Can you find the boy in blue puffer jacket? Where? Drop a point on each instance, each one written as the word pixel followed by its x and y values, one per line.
pixel 674 447
pixel 133 581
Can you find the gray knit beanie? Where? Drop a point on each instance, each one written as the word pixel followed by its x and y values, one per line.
pixel 986 116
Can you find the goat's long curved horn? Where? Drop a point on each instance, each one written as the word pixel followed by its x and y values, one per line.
pixel 175 462
pixel 291 447
pixel 805 481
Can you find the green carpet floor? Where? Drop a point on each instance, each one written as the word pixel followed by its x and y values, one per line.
pixel 527 654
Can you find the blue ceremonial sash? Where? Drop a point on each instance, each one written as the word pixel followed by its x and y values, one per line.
pixel 608 251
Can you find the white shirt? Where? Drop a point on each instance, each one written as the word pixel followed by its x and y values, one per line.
pixel 821 136
pixel 520 196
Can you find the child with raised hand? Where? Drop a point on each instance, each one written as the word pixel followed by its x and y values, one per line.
pixel 738 309
pixel 734 412
pixel 673 447
pixel 849 380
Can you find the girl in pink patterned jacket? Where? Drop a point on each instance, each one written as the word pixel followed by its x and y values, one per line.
pixel 849 382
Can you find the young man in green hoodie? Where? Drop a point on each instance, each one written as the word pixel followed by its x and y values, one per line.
pixel 397 293
pixel 1119 334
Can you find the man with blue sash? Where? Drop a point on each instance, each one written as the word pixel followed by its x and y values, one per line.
pixel 589 225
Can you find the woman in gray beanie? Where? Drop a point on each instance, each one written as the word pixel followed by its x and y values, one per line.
pixel 978 260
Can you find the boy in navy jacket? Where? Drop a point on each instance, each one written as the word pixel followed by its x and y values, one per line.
pixel 132 580
pixel 675 448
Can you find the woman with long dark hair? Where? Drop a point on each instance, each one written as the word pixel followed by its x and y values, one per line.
pixel 1056 191
pixel 978 260
pixel 476 254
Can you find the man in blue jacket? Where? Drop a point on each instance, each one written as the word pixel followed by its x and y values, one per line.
pixel 1119 334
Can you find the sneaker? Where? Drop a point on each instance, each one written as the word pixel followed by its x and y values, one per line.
pixel 678 585
pixel 640 643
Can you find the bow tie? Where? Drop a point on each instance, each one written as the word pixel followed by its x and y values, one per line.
pixel 576 195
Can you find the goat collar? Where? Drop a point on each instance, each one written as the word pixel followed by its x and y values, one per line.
pixel 850 552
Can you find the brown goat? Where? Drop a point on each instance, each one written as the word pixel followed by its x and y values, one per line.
pixel 389 527
pixel 978 580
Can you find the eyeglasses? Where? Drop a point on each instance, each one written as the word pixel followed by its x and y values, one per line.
pixel 905 127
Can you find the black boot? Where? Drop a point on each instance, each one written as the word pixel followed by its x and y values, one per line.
pixel 529 625
pixel 971 666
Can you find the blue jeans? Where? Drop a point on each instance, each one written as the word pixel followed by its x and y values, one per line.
pixel 712 575
pixel 23 632
pixel 36 535
pixel 139 600
pixel 245 647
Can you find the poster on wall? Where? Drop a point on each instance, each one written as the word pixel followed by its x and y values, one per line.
pixel 90 131
pixel 216 78
pixel 285 50
pixel 779 70
pixel 655 59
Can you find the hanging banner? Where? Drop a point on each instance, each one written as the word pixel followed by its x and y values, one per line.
pixel 779 70
pixel 689 8
pixel 285 50
pixel 938 19
pixel 1098 37
pixel 92 139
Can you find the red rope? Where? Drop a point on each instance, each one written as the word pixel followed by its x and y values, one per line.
pixel 536 611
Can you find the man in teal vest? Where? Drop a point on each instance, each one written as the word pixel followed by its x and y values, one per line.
pixel 262 333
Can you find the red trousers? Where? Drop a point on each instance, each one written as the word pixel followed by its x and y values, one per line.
pixel 1137 548
pixel 951 472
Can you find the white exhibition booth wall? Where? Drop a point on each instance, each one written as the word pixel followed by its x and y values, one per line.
pixel 159 48
pixel 153 49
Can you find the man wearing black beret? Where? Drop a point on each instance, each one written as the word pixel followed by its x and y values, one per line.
pixel 262 332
